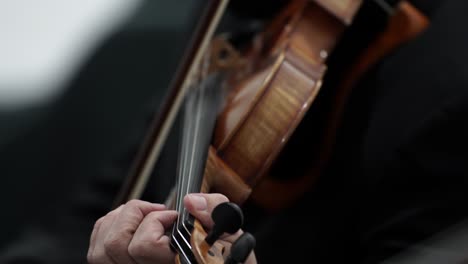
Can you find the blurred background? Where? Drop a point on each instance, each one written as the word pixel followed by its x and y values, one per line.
pixel 79 83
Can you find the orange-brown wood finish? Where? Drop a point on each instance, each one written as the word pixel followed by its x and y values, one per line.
pixel 404 25
pixel 203 252
pixel 264 109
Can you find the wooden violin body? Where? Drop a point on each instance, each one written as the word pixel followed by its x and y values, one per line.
pixel 263 110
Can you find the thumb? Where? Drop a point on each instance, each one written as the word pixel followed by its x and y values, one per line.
pixel 200 205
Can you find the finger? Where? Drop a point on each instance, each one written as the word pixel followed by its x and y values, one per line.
pixel 96 252
pixel 200 205
pixel 97 225
pixel 122 229
pixel 150 244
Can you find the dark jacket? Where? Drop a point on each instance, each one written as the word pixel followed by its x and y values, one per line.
pixel 400 171
pixel 397 177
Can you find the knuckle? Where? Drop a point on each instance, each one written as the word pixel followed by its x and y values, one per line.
pixel 133 203
pixel 89 257
pixel 144 248
pixel 156 243
pixel 153 216
pixel 114 244
pixel 95 258
pixel 99 222
pixel 111 213
pixel 137 249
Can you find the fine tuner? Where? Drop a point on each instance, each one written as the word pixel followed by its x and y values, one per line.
pixel 241 249
pixel 227 218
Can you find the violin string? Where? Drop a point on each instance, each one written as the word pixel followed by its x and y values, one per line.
pixel 201 109
pixel 193 115
pixel 194 149
pixel 187 142
pixel 181 167
pixel 184 144
pixel 187 130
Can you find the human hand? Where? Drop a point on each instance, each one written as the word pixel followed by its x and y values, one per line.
pixel 135 232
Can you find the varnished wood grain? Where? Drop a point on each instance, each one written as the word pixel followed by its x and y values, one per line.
pixel 204 253
pixel 263 111
pixel 406 24
pixel 264 131
pixel 221 178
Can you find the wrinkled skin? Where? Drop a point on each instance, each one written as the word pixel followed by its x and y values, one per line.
pixel 136 231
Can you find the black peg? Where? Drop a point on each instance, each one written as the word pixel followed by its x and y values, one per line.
pixel 227 218
pixel 241 249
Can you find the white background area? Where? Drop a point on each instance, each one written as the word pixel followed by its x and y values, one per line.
pixel 42 43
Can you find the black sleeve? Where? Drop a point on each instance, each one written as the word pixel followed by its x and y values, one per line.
pixel 423 190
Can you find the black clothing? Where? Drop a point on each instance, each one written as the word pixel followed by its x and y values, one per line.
pixel 400 172
pixel 65 170
pixel 397 177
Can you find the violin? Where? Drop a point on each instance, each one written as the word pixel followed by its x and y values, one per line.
pixel 241 107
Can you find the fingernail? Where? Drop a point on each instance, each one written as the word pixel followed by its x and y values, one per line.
pixel 199 202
